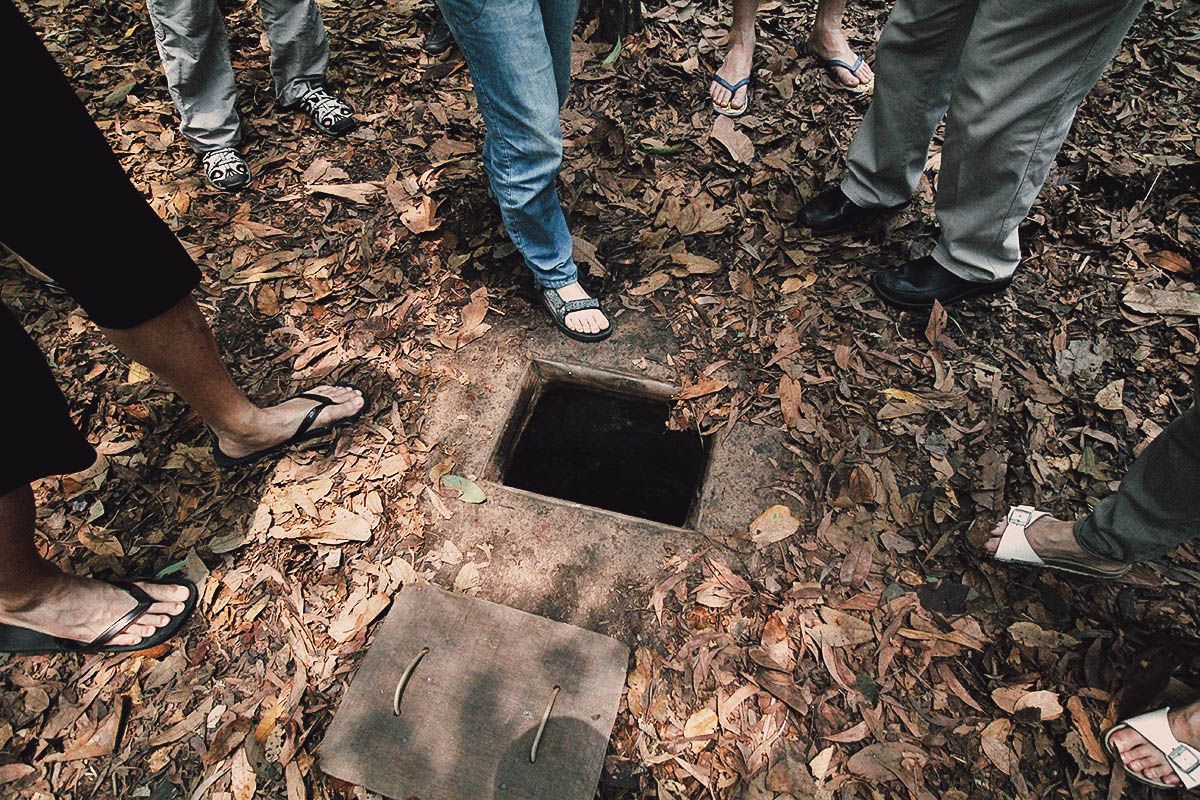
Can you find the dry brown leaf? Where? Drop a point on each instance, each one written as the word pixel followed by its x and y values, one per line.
pixel 1110 397
pixel 695 265
pixel 420 215
pixel 725 131
pixel 776 643
pixel 773 525
pixel 701 389
pixel 650 284
pixel 1171 302
pixel 354 192
pixel 243 782
pixel 994 741
pixel 703 723
pixel 1046 703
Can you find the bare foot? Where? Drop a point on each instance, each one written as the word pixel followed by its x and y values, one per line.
pixel 739 61
pixel 589 321
pixel 1143 758
pixel 832 44
pixel 1053 539
pixel 81 608
pixel 278 423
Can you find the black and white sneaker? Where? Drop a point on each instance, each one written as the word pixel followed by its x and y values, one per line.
pixel 226 169
pixel 331 116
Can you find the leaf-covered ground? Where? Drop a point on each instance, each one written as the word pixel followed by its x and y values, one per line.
pixel 869 654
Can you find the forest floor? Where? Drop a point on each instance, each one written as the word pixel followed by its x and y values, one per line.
pixel 872 653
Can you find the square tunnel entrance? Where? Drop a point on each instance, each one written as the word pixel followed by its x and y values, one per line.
pixel 600 439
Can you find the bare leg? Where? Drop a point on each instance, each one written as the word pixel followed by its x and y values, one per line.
pixel 739 59
pixel 1142 757
pixel 178 346
pixel 36 594
pixel 826 40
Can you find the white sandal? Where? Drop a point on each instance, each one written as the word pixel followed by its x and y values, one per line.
pixel 1014 547
pixel 1156 729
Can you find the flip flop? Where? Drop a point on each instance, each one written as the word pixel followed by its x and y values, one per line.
pixel 1155 728
pixel 1014 548
pixel 829 77
pixel 15 639
pixel 303 433
pixel 732 110
pixel 559 309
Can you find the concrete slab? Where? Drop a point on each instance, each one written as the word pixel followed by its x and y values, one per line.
pixel 568 562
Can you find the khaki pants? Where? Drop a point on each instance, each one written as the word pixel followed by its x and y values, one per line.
pixel 1157 507
pixel 195 53
pixel 1007 75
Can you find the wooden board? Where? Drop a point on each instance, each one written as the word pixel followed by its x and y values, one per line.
pixel 472 706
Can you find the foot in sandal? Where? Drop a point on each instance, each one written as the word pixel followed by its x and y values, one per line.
pixel 57 612
pixel 844 68
pixel 576 313
pixel 730 89
pixel 289 422
pixel 1159 748
pixel 1029 536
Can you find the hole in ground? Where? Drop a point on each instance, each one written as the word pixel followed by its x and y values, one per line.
pixel 611 451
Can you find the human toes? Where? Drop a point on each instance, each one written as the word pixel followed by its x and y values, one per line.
pixel 165 592
pixel 134 634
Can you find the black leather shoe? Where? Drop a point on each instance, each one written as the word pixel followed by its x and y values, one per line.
pixel 832 212
pixel 438 39
pixel 914 286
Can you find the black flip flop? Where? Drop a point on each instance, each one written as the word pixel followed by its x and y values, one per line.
pixel 559 309
pixel 15 639
pixel 304 431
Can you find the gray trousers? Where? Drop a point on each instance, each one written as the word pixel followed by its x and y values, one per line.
pixel 1155 510
pixel 195 53
pixel 1007 75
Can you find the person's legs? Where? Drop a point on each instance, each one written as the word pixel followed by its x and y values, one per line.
pixel 36 594
pixel 1025 68
pixel 558 21
pixel 827 41
pixel 178 346
pixel 739 58
pixel 916 61
pixel 299 46
pixel 119 261
pixel 192 43
pixel 43 441
pixel 518 85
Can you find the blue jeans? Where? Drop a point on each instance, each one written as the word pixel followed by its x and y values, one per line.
pixel 519 52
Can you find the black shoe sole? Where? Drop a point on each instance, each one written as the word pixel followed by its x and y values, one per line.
pixel 907 305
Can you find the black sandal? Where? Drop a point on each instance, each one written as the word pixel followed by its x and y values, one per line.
pixel 15 639
pixel 303 433
pixel 559 309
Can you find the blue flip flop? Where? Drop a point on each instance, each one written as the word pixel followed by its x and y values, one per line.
pixel 830 64
pixel 732 110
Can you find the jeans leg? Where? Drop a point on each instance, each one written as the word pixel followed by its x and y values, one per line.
pixel 505 45
pixel 190 35
pixel 1155 509
pixel 559 23
pixel 299 46
pixel 1025 68
pixel 916 60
